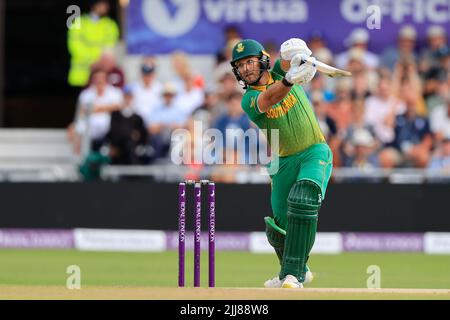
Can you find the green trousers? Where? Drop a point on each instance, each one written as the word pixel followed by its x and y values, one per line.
pixel 314 164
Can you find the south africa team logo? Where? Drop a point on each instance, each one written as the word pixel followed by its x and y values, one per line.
pixel 240 47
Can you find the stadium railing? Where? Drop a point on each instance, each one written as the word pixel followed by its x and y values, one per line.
pixel 254 174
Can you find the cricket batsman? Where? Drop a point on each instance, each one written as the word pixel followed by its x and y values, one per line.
pixel 275 99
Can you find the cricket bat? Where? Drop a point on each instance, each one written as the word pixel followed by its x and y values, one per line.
pixel 325 68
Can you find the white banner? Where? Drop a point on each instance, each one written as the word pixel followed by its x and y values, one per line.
pixel 326 243
pixel 437 243
pixel 120 240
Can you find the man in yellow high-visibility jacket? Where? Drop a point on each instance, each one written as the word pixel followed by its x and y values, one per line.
pixel 96 32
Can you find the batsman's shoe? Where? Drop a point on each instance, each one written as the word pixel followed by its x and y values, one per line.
pixel 291 282
pixel 276 282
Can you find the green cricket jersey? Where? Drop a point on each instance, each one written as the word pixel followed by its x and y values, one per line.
pixel 293 116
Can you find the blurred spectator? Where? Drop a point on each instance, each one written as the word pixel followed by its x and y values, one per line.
pixel 189 86
pixel 362 82
pixel 441 157
pixel 127 137
pixel 372 119
pixel 436 39
pixel 181 66
pixel 382 108
pixel 317 45
pixel 189 96
pixel 440 121
pixel 324 55
pixel 165 118
pixel 359 38
pixel 227 86
pixel 208 111
pixel 223 66
pixel 272 49
pixel 95 105
pixel 355 61
pixel 316 42
pixel 435 88
pixel 232 32
pixel 340 110
pixel 413 137
pixel 361 150
pixel 191 149
pixel 326 123
pixel 328 84
pixel 318 83
pixel 404 51
pixel 406 75
pixel 233 169
pixel 147 91
pixel 235 119
pixel 443 56
pixel 108 63
pixel 96 33
pixel 358 138
pixel 363 78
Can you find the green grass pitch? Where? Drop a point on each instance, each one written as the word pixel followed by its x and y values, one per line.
pixel 233 269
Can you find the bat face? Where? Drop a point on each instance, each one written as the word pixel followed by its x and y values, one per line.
pixel 331 71
pixel 326 69
pixel 339 73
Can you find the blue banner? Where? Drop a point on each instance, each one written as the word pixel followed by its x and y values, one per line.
pixel 196 26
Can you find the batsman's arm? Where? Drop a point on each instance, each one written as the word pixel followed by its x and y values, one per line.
pixel 274 94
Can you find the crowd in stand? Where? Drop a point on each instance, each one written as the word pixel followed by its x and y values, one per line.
pixel 393 112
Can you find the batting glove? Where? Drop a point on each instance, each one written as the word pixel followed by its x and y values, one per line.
pixel 300 73
pixel 292 47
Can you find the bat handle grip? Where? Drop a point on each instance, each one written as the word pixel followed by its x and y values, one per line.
pixel 310 60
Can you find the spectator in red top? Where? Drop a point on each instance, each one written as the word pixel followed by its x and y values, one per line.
pixel 107 62
pixel 181 66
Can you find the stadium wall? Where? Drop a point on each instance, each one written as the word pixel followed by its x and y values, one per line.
pixel 149 205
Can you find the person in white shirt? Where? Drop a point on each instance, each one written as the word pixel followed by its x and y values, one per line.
pixel 165 118
pixel 440 121
pixel 404 51
pixel 95 105
pixel 169 112
pixel 382 108
pixel 359 38
pixel 147 91
pixel 189 85
pixel 190 96
pixel 441 159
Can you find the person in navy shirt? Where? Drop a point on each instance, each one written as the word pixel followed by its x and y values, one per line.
pixel 235 119
pixel 413 137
